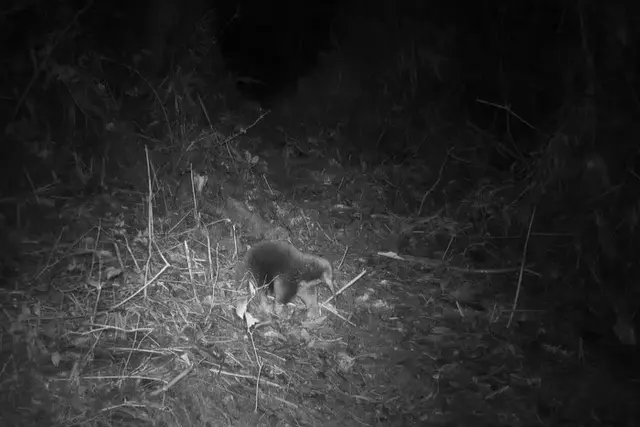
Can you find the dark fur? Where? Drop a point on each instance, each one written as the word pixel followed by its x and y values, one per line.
pixel 283 269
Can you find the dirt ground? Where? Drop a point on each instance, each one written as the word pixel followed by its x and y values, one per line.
pixel 121 310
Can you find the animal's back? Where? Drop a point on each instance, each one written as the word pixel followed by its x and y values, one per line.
pixel 266 260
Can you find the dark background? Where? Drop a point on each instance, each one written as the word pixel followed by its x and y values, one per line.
pixel 539 94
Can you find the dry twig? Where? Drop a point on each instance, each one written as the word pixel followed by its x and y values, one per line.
pixel 524 260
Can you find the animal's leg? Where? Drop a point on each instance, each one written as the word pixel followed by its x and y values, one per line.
pixel 309 294
pixel 280 289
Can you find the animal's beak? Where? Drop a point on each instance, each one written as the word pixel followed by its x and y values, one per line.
pixel 328 280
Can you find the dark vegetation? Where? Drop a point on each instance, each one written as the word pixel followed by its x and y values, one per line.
pixel 478 160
